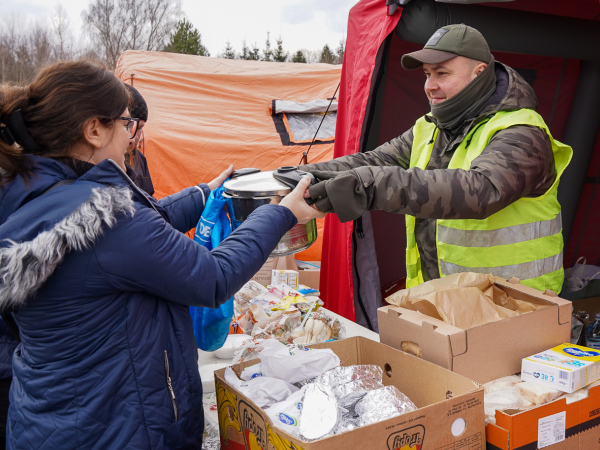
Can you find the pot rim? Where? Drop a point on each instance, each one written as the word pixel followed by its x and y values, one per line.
pixel 238 187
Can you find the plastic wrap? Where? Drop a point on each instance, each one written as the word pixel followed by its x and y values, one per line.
pixel 263 391
pixel 382 404
pixel 286 414
pixel 243 298
pixel 251 372
pixel 501 384
pixel 294 364
pixel 575 396
pixel 320 412
pixel 248 351
pixel 536 393
pixel 497 400
pixel 278 326
pixel 319 327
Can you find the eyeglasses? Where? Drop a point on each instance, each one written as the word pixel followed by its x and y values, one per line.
pixel 132 125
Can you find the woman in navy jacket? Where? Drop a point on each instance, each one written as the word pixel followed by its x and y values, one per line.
pixel 99 276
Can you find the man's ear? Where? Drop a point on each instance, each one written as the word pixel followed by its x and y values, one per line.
pixel 93 132
pixel 480 68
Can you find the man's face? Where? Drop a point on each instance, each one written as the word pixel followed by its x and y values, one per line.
pixel 136 139
pixel 445 80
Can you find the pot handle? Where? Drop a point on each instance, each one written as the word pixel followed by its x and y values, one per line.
pixel 242 172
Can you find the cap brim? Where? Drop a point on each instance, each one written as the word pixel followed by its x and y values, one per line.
pixel 414 60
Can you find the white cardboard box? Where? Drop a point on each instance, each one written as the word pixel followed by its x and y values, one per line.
pixel 289 277
pixel 566 367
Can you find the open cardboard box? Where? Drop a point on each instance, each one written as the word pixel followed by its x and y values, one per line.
pixel 446 402
pixel 309 274
pixel 308 277
pixel 564 427
pixel 488 351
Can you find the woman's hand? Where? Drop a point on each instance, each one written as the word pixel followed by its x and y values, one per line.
pixel 217 182
pixel 296 203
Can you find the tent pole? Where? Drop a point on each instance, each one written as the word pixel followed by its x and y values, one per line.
pixel 304 159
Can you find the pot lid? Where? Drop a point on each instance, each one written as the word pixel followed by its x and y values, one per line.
pixel 257 184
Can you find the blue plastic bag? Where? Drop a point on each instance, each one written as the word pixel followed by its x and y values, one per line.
pixel 211 326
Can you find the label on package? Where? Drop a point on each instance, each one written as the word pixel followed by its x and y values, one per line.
pixel 567 367
pixel 551 429
pixel 289 277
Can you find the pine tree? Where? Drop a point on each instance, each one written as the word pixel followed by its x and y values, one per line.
pixel 186 39
pixel 267 52
pixel 340 52
pixel 299 57
pixel 229 52
pixel 245 54
pixel 279 55
pixel 326 55
pixel 254 53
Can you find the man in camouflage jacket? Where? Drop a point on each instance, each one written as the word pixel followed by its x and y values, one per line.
pixel 517 162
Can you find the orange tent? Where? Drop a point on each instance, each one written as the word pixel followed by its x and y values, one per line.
pixel 207 113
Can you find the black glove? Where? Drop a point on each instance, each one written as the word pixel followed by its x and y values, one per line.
pixel 339 192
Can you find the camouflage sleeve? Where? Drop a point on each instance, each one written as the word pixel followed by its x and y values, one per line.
pixel 518 162
pixel 393 153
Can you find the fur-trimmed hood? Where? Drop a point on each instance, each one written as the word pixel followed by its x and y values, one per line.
pixel 44 226
pixel 25 266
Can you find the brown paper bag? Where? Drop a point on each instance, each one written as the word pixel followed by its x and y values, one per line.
pixel 464 300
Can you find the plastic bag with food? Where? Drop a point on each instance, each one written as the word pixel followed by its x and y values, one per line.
pixel 501 384
pixel 318 327
pixel 497 400
pixel 248 292
pixel 294 364
pixel 536 393
pixel 286 414
pixel 263 391
pixel 279 326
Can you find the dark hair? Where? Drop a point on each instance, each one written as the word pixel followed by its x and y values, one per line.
pixel 62 98
pixel 138 108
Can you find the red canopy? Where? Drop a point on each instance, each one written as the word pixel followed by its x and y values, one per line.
pixel 368 26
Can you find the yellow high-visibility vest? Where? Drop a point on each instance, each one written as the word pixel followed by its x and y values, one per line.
pixel 523 240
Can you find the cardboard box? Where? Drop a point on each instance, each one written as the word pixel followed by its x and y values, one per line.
pixel 445 400
pixel 554 426
pixel 263 276
pixel 567 367
pixel 309 273
pixel 486 352
pixel 289 277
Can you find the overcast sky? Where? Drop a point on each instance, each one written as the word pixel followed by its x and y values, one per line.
pixel 306 24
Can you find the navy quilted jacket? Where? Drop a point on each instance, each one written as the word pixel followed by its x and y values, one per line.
pixel 101 276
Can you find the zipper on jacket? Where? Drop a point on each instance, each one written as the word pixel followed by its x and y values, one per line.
pixel 170 385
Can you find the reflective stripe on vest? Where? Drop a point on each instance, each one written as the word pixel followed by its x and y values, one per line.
pixel 522 240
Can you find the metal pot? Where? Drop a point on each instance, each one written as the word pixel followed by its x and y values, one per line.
pixel 251 188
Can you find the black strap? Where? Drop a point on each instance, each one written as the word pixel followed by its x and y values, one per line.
pixel 7 316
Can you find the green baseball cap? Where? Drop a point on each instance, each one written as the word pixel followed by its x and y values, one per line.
pixel 449 42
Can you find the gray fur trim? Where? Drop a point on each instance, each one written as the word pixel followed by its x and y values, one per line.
pixel 25 266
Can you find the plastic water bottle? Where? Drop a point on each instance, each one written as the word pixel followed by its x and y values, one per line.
pixel 592 334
